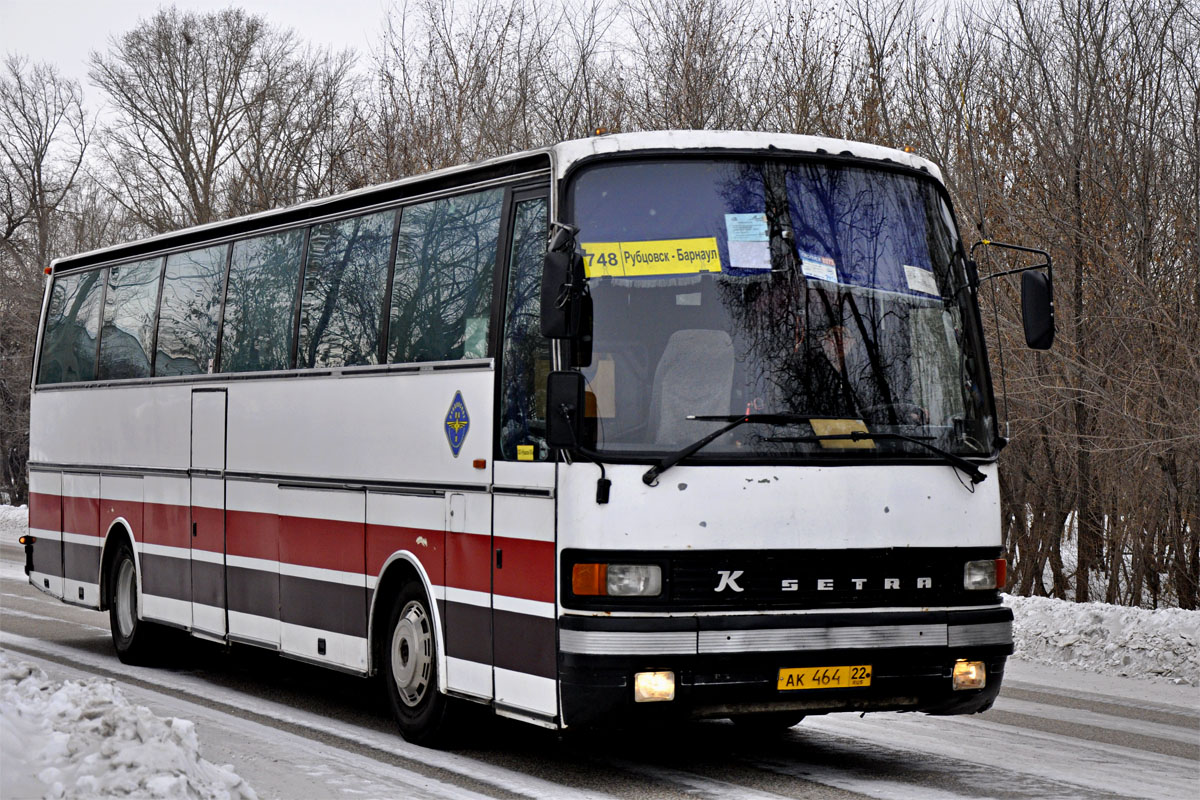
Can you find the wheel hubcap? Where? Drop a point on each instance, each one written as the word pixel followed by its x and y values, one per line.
pixel 412 654
pixel 126 598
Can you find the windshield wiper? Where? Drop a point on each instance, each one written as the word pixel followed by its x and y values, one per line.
pixel 650 478
pixel 973 472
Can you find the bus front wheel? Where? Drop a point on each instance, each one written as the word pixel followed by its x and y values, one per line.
pixel 132 637
pixel 410 669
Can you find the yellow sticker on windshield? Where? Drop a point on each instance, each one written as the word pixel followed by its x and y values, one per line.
pixel 657 257
pixel 841 427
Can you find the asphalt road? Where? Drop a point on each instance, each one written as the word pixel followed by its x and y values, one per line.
pixel 295 731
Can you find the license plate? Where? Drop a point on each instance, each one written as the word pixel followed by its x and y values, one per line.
pixel 824 677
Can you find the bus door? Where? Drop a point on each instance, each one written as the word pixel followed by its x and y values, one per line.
pixel 523 560
pixel 207 471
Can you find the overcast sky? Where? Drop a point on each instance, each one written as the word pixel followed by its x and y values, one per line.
pixel 63 32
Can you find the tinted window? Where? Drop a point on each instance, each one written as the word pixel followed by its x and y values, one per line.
pixel 344 283
pixel 263 278
pixel 191 308
pixel 526 360
pixel 72 322
pixel 442 291
pixel 129 305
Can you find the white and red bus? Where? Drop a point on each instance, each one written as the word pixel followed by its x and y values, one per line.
pixel 765 487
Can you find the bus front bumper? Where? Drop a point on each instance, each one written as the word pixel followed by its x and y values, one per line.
pixel 729 665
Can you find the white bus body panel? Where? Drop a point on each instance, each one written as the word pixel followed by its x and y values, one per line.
pixel 779 507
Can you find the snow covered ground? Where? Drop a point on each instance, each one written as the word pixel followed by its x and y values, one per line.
pixel 84 739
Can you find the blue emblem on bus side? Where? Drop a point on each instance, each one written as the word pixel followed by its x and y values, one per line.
pixel 458 422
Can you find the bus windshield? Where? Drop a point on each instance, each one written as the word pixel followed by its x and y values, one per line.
pixel 814 289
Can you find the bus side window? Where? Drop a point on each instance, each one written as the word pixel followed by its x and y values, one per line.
pixel 344 282
pixel 526 353
pixel 72 325
pixel 128 333
pixel 190 310
pixel 442 289
pixel 263 277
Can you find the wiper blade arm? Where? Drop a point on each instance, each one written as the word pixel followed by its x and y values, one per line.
pixel 973 472
pixel 650 478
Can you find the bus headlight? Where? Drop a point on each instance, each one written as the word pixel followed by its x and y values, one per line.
pixel 989 574
pixel 653 687
pixel 616 580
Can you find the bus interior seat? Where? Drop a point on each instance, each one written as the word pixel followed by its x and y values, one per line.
pixel 693 377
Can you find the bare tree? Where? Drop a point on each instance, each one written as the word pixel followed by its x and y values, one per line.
pixel 43 140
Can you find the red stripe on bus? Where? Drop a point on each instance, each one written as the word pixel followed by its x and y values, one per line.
pixel 457 560
pixel 81 515
pixel 251 534
pixel 45 511
pixel 324 543
pixel 130 511
pixel 469 562
pixel 528 569
pixel 166 524
pixel 428 546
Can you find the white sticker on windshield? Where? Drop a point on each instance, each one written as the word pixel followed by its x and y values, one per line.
pixel 749 241
pixel 819 268
pixel 921 280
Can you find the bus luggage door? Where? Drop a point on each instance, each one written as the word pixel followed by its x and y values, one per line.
pixel 207 471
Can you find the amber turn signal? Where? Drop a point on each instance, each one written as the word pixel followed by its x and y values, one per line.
pixel 589 579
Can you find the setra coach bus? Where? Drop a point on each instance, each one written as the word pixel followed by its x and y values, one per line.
pixel 641 426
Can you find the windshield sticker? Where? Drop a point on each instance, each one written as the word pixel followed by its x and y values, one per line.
pixel 841 427
pixel 749 241
pixel 819 268
pixel 921 280
pixel 646 259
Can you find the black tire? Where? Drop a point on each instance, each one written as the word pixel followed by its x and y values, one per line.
pixel 767 722
pixel 133 638
pixel 410 670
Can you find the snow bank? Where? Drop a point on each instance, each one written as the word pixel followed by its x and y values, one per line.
pixel 83 739
pixel 14 521
pixel 1114 640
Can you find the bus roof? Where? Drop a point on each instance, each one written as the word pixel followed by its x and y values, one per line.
pixel 567 153
pixel 558 158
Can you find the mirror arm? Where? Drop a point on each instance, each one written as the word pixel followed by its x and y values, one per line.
pixel 1048 266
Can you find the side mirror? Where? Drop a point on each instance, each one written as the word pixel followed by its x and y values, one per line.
pixel 564 409
pixel 562 285
pixel 1037 310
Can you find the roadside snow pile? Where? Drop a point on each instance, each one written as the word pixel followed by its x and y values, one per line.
pixel 14 521
pixel 83 739
pixel 1114 640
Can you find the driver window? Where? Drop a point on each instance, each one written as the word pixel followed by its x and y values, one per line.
pixel 526 353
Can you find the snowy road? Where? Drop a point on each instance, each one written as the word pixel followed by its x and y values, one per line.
pixel 297 732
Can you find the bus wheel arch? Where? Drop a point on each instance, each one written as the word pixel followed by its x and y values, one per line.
pixel 118 534
pixel 133 637
pixel 408 652
pixel 400 569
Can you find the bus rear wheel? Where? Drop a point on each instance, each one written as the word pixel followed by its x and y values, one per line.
pixel 132 637
pixel 410 670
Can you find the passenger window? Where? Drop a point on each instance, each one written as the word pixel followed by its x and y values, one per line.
pixel 129 306
pixel 344 283
pixel 526 353
pixel 442 289
pixel 72 324
pixel 190 311
pixel 264 275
